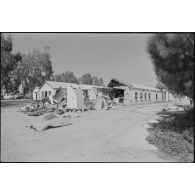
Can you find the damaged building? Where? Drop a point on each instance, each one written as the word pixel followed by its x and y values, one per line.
pixel 128 93
pixel 90 92
pixel 119 91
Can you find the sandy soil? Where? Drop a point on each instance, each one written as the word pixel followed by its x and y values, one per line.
pixel 96 136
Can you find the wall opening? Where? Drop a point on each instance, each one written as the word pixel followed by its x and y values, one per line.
pixel 118 93
pixel 149 97
pixel 136 96
pixel 145 96
pixel 141 96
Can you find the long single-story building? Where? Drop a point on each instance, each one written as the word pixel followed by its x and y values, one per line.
pixel 133 93
pixel 126 92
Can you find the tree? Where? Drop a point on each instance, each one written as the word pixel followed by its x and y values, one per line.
pixel 160 86
pixel 97 81
pixel 8 63
pixel 101 82
pixel 67 77
pixel 173 59
pixel 15 79
pixel 86 79
pixel 34 69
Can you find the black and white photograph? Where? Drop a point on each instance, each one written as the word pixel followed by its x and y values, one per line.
pixel 97 97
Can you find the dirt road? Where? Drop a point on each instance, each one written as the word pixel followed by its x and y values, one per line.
pixel 96 136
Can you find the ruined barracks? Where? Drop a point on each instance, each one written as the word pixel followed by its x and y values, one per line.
pixel 134 93
pixel 124 92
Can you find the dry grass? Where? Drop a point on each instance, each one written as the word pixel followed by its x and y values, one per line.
pixel 21 102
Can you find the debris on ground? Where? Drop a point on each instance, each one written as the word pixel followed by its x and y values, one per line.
pixel 71 115
pixel 38 108
pixel 49 117
pixel 90 105
pixel 37 113
pixel 60 96
pixel 57 104
pixel 50 121
pixel 101 104
pixel 59 111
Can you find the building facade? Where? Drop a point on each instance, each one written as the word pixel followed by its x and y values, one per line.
pixel 134 93
pixel 36 94
pixel 50 88
pixel 126 92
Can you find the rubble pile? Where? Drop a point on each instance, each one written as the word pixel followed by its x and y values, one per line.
pixel 50 121
pixel 56 115
pixel 57 105
pixel 40 108
pixel 60 97
pixel 58 109
pixel 90 105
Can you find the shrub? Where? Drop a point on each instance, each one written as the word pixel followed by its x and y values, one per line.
pixel 174 135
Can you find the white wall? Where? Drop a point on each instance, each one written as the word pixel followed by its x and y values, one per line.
pixel 47 88
pixel 71 98
pixel 75 100
pixel 129 96
pixel 92 94
pixel 36 97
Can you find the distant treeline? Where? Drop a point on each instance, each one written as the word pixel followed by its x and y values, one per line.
pixel 32 69
pixel 69 77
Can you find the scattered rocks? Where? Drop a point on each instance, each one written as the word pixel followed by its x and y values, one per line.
pixel 71 115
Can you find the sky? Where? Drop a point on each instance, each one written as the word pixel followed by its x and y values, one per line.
pixel 110 55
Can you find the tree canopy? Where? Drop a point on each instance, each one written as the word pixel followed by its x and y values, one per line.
pixel 89 80
pixel 86 79
pixel 8 63
pixel 67 77
pixel 34 69
pixel 97 81
pixel 173 59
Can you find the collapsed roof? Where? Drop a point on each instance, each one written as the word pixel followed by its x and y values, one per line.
pixel 117 83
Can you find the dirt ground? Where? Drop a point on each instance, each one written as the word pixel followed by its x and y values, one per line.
pixel 95 136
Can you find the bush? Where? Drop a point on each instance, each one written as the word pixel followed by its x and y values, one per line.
pixel 174 135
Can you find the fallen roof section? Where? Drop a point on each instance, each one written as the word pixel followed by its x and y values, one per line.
pixel 116 82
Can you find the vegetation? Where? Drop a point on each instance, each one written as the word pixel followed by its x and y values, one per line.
pixel 67 77
pixel 32 70
pixel 14 103
pixel 173 59
pixel 8 63
pixel 88 79
pixel 174 134
pixel 97 81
